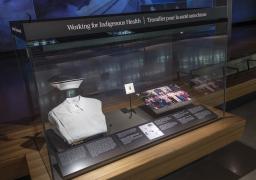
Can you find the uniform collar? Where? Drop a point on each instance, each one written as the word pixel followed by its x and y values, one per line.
pixel 73 100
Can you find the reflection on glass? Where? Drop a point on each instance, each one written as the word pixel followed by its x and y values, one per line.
pixel 106 70
pixel 83 101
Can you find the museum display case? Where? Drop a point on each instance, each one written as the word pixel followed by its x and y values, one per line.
pixel 107 93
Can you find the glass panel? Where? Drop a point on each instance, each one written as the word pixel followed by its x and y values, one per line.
pixel 87 113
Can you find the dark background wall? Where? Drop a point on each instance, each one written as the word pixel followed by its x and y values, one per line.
pixel 244 10
pixel 14 98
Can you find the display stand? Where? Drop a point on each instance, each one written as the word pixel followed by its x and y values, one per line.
pixel 162 159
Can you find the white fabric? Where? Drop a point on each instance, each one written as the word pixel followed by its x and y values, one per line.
pixel 78 118
pixel 62 86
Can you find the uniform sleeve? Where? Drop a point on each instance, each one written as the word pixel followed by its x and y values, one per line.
pixel 56 122
pixel 53 119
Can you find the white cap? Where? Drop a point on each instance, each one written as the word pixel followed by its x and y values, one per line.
pixel 65 82
pixel 62 86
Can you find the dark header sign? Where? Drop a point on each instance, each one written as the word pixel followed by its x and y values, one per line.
pixel 38 30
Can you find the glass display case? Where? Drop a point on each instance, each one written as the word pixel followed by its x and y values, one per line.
pixel 103 97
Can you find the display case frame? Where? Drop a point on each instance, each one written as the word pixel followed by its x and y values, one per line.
pixel 38 49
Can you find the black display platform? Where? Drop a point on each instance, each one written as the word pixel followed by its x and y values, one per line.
pixel 101 150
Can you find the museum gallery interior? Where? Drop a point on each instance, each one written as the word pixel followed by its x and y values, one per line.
pixel 131 89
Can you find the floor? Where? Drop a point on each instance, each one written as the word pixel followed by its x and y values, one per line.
pixel 248 111
pixel 24 178
pixel 236 161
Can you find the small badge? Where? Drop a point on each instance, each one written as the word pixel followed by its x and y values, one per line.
pixel 129 88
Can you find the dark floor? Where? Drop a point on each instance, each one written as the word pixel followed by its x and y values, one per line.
pixel 248 111
pixel 236 161
pixel 24 178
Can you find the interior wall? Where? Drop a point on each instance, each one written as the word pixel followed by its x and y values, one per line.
pixel 244 10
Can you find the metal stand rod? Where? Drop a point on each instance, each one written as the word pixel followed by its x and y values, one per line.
pixel 130 98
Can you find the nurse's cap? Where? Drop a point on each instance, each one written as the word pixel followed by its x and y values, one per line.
pixel 63 82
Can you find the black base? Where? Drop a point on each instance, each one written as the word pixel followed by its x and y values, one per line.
pixel 76 160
